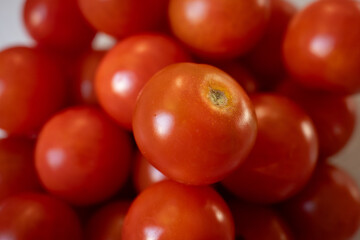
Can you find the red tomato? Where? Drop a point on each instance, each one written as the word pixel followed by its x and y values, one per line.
pixel 194 123
pixel 57 23
pixel 84 77
pixel 127 67
pixel 321 46
pixel 219 28
pixel 328 208
pixel 334 116
pixel 178 212
pixel 125 17
pixel 145 174
pixel 107 222
pixel 236 70
pixel 37 216
pixel 253 222
pixel 17 170
pixel 82 156
pixel 265 59
pixel 284 155
pixel 31 90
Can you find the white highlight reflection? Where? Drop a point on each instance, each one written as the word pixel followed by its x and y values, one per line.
pixel 121 82
pixel 163 123
pixel 55 158
pixel 3 134
pixel 153 233
pixel 307 129
pixel 321 46
pixel 218 213
pixel 38 15
pixel 196 11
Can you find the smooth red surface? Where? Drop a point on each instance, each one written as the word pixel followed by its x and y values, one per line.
pixel 82 156
pixel 125 17
pixel 178 212
pixel 31 90
pixel 255 222
pixel 284 155
pixel 194 123
pixel 145 174
pixel 107 222
pixel 237 71
pixel 128 66
pixel 334 116
pixel 84 77
pixel 57 23
pixel 266 60
pixel 17 170
pixel 219 28
pixel 37 216
pixel 321 47
pixel 328 208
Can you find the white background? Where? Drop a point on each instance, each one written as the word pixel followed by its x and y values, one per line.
pixel 12 33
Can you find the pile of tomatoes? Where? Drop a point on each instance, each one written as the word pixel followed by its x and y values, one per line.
pixel 207 120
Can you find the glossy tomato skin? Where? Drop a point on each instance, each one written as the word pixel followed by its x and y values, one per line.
pixel 84 77
pixel 17 170
pixel 32 82
pixel 57 23
pixel 199 127
pixel 219 28
pixel 126 17
pixel 318 45
pixel 33 216
pixel 178 212
pixel 255 222
pixel 82 156
pixel 107 222
pixel 334 116
pixel 284 155
pixel 128 66
pixel 145 174
pixel 328 208
pixel 265 60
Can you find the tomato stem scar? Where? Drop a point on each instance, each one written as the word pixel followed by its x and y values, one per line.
pixel 218 97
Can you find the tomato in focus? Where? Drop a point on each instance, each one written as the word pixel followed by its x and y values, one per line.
pixel 194 123
pixel 82 156
pixel 284 155
pixel 128 66
pixel 178 212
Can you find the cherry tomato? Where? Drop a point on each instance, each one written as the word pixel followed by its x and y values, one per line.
pixel 178 212
pixel 145 174
pixel 334 116
pixel 284 155
pixel 36 216
pixel 253 222
pixel 31 90
pixel 194 123
pixel 107 222
pixel 84 77
pixel 321 47
pixel 265 60
pixel 236 70
pixel 57 23
pixel 125 17
pixel 328 208
pixel 82 156
pixel 127 67
pixel 17 170
pixel 219 28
